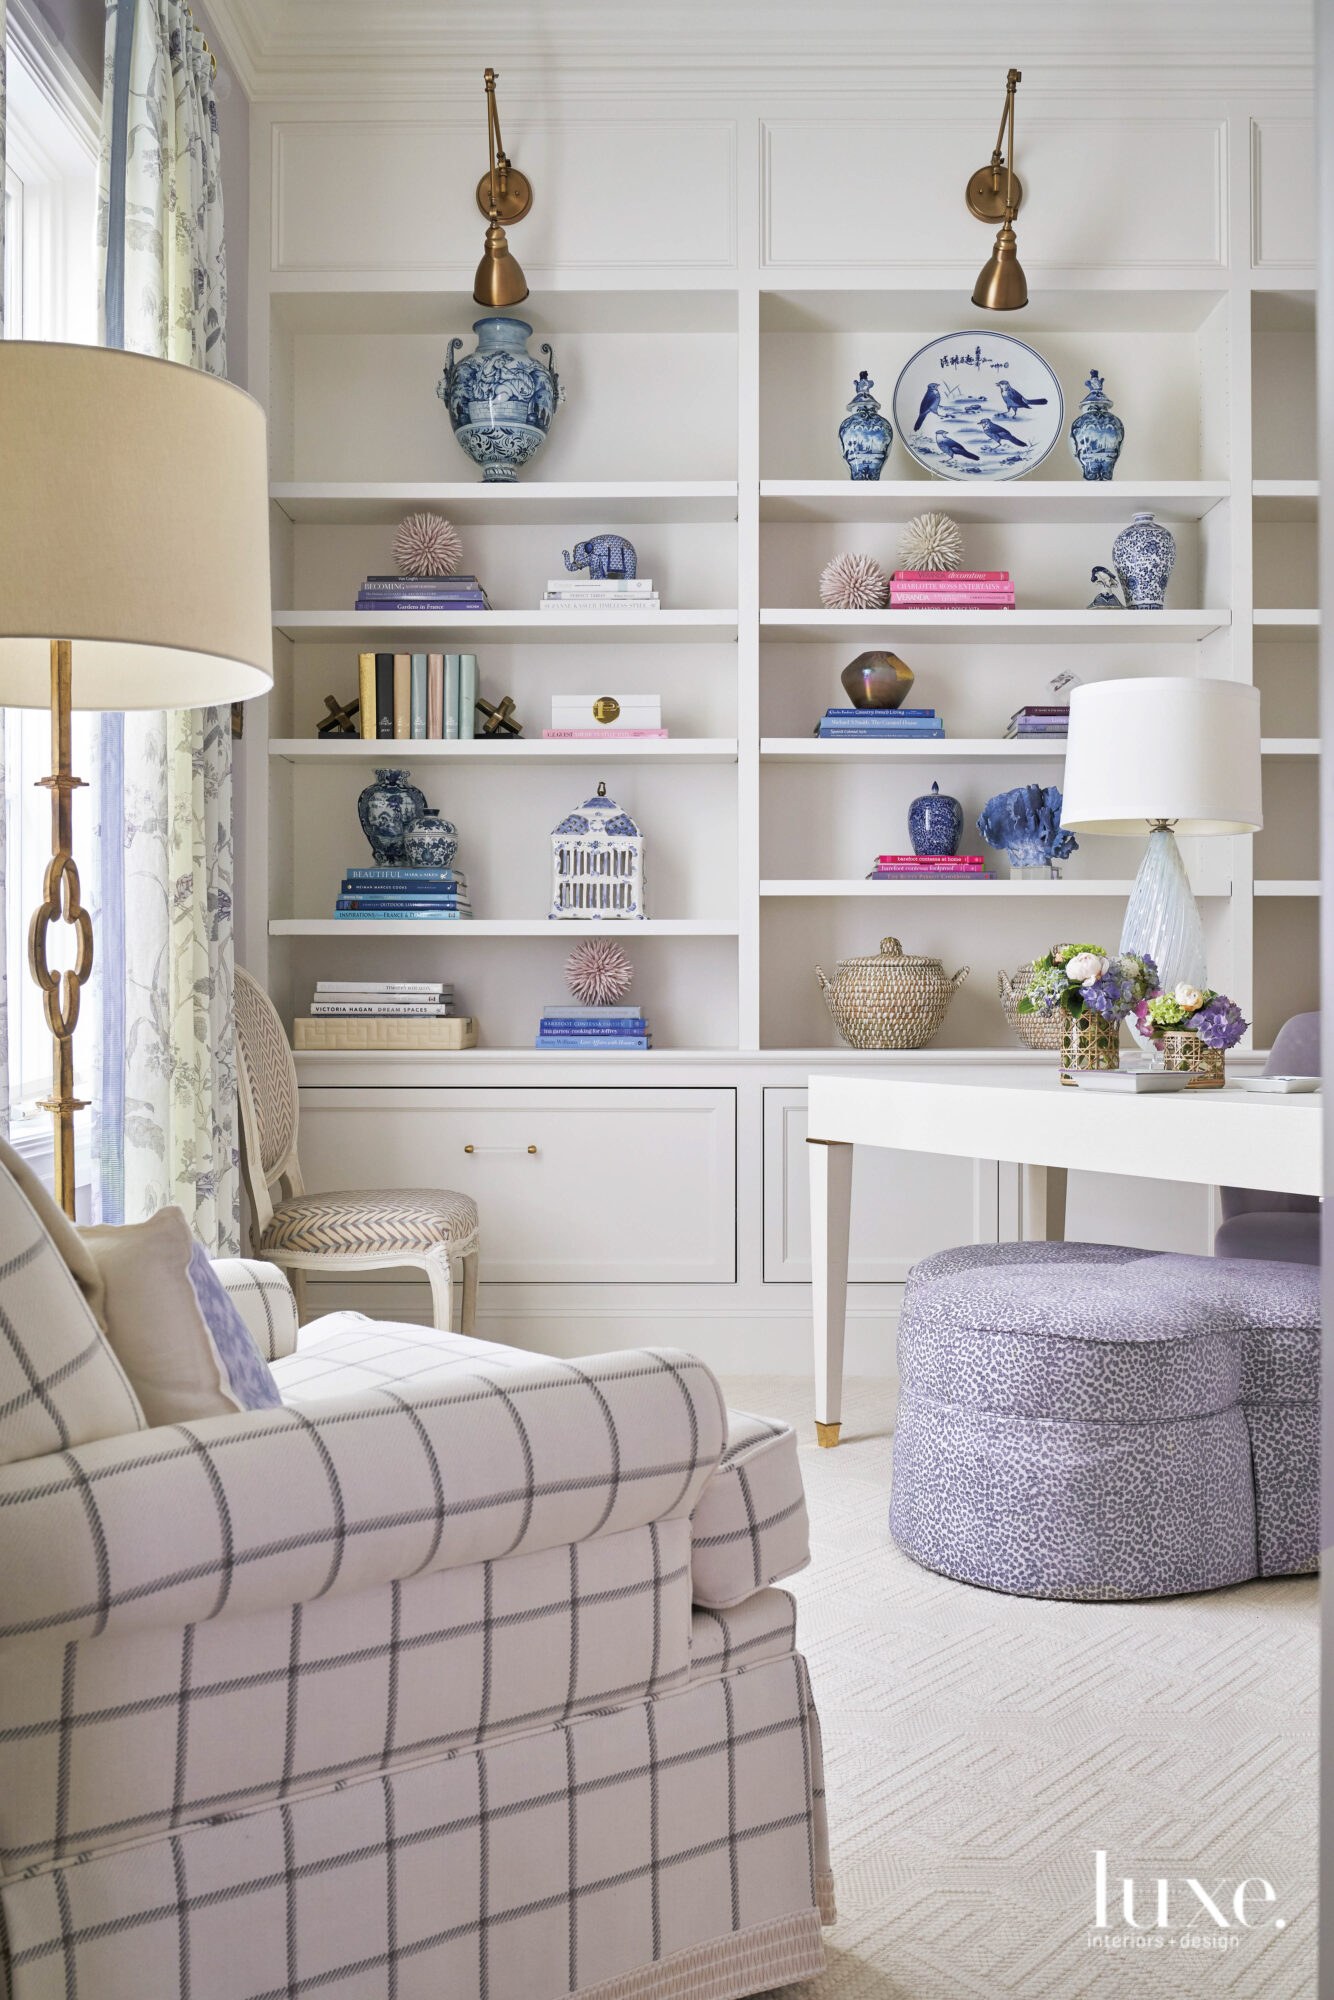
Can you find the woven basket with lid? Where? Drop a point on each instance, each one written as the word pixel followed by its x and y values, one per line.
pixel 894 1000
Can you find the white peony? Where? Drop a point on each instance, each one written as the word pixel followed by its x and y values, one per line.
pixel 1189 997
pixel 1085 967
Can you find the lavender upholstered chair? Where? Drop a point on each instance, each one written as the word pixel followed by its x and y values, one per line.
pixel 1081 1420
pixel 1257 1223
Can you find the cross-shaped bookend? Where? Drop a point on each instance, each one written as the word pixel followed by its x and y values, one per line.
pixel 500 720
pixel 340 720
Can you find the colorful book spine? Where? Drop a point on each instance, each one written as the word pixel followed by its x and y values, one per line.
pixel 595 735
pixel 862 714
pixel 435 696
pixel 402 695
pixel 406 905
pixel 366 693
pixel 590 1042
pixel 384 694
pixel 424 989
pixel 460 580
pixel 380 1009
pixel 950 576
pixel 403 916
pixel 402 875
pixel 556 1024
pixel 929 860
pixel 451 697
pixel 419 696
pixel 467 696
pixel 571 1010
pixel 1035 708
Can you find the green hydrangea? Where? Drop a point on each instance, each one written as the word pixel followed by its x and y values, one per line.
pixel 1165 1011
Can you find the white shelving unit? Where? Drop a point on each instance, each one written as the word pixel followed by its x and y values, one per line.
pixel 758 834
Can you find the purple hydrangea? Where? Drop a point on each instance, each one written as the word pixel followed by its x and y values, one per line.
pixel 1219 1024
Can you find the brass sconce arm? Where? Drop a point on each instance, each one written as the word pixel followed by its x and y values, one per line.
pixel 503 193
pixel 986 198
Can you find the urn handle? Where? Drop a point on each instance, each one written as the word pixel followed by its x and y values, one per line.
pixel 451 362
pixel 825 983
pixel 957 981
pixel 557 392
pixel 1005 986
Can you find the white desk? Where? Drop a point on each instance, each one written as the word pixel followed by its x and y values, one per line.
pixel 1232 1137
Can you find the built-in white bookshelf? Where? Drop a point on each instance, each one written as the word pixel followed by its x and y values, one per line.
pixel 729 481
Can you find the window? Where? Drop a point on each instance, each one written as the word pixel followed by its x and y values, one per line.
pixel 50 294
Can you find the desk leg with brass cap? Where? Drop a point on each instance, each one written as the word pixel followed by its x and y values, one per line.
pixel 831 1213
pixel 60 901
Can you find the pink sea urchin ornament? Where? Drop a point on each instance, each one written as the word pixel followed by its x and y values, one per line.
pixel 598 972
pixel 427 545
pixel 853 583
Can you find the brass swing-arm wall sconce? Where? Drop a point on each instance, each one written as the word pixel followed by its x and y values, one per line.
pixel 503 195
pixel 994 194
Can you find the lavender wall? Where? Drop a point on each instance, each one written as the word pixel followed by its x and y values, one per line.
pixel 80 26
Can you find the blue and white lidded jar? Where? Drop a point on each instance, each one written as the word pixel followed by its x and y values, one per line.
pixel 864 435
pixel 1144 554
pixel 431 842
pixel 386 810
pixel 1096 435
pixel 935 822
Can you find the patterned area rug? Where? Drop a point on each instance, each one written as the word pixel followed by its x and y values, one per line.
pixel 979 1749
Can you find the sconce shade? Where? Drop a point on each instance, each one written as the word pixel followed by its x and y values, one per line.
pixel 499 280
pixel 133 521
pixel 1001 284
pixel 1174 749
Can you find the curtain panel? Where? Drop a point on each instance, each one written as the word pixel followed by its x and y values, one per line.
pixel 166 1095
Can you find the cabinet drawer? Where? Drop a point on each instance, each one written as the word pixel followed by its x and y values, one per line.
pixel 572 1186
pixel 904 1205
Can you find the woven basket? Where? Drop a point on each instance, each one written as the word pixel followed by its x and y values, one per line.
pixel 1183 1049
pixel 891 1001
pixel 1035 1031
pixel 1088 1042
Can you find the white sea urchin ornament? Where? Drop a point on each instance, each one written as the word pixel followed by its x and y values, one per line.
pixel 853 583
pixel 427 545
pixel 931 541
pixel 598 972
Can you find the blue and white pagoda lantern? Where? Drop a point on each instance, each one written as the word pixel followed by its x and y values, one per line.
pixel 597 864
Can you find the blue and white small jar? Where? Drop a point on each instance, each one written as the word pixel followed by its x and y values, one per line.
pixel 935 823
pixel 1144 554
pixel 864 435
pixel 1096 435
pixel 431 842
pixel 387 809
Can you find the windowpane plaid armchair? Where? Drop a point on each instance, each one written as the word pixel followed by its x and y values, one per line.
pixel 460 1674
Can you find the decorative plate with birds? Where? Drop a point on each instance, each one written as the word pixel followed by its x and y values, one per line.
pixel 978 406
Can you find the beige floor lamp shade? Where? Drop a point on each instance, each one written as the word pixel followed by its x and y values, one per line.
pixel 134 573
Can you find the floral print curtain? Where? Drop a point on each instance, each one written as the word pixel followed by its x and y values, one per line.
pixel 4 972
pixel 166 1092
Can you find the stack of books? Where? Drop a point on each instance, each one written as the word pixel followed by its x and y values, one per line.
pixel 566 1025
pixel 1032 721
pixel 413 895
pixel 951 590
pixel 929 868
pixel 430 697
pixel 422 593
pixel 585 717
pixel 581 595
pixel 886 725
pixel 359 1014
pixel 376 998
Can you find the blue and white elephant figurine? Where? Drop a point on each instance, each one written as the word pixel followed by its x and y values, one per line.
pixel 603 556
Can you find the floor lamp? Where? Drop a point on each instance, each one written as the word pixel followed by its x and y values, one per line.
pixel 134 574
pixel 1165 755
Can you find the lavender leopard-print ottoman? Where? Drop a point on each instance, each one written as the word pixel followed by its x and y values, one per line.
pixel 1080 1420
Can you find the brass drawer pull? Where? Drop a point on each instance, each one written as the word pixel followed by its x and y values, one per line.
pixel 500 1149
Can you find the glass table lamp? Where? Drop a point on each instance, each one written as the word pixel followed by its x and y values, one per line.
pixel 1172 755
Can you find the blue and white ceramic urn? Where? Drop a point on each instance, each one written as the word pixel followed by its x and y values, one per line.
pixel 864 435
pixel 1096 435
pixel 386 810
pixel 935 822
pixel 500 398
pixel 1144 554
pixel 431 842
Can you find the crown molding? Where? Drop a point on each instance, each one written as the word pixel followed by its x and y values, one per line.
pixel 322 50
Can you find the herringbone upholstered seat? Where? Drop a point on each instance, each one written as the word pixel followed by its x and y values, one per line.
pixel 433 1230
pixel 394 1219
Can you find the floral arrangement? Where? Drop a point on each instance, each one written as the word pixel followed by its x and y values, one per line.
pixel 1083 978
pixel 1192 1010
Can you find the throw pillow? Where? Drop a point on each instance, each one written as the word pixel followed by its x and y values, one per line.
pixel 180 1339
pixel 60 1382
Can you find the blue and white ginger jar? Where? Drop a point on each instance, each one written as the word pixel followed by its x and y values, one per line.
pixel 864 435
pixel 431 842
pixel 935 822
pixel 386 810
pixel 500 398
pixel 1144 554
pixel 1096 435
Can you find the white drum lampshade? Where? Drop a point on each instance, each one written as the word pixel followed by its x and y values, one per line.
pixel 134 522
pixel 134 573
pixel 1170 755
